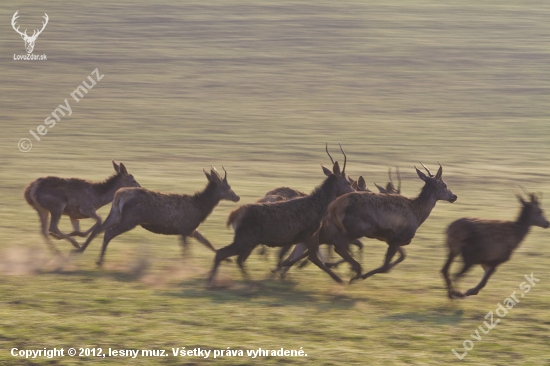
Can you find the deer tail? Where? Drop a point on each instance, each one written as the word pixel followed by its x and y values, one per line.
pixel 30 192
pixel 235 218
pixel 116 212
pixel 337 212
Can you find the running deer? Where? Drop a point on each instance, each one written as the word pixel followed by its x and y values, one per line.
pixel 390 187
pixel 74 197
pixel 393 219
pixel 168 214
pixel 279 224
pixel 489 242
pixel 285 193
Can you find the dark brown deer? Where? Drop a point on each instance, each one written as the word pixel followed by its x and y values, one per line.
pixel 74 197
pixel 358 185
pixel 393 219
pixel 168 214
pixel 489 242
pixel 390 187
pixel 279 224
pixel 285 193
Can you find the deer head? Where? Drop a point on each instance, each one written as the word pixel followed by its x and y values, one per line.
pixel 343 184
pixel 536 214
pixel 442 192
pixel 29 41
pixel 390 187
pixel 223 189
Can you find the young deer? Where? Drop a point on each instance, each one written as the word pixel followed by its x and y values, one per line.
pixel 489 242
pixel 390 218
pixel 390 188
pixel 74 197
pixel 168 214
pixel 279 224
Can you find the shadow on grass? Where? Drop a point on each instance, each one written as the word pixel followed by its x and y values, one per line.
pixel 441 315
pixel 267 292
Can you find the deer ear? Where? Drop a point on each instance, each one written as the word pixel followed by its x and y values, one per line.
pixel 354 185
pixel 420 174
pixel 380 188
pixel 361 184
pixel 123 170
pixel 326 170
pixel 208 176
pixel 439 172
pixel 336 169
pixel 117 169
pixel 521 199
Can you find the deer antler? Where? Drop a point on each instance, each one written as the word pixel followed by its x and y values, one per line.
pixel 225 176
pixel 428 170
pixel 345 159
pixel 13 21
pixel 326 148
pixel 46 18
pixel 398 179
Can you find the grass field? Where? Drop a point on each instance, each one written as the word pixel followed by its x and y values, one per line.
pixel 259 87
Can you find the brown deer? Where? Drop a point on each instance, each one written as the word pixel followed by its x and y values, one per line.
pixel 74 197
pixel 168 214
pixel 390 218
pixel 285 193
pixel 489 242
pixel 279 224
pixel 390 188
pixel 358 185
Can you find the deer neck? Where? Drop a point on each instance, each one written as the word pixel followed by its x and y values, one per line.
pixel 523 224
pixel 206 200
pixel 323 195
pixel 424 204
pixel 106 189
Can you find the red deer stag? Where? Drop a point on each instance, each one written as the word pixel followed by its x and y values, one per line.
pixel 74 197
pixel 489 242
pixel 168 214
pixel 393 219
pixel 279 224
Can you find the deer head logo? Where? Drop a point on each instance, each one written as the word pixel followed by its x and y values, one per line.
pixel 29 41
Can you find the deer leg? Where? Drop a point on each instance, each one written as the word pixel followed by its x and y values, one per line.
pixel 400 259
pixel 313 248
pixel 392 249
pixel 111 233
pixel 297 252
pixel 90 212
pixel 465 268
pixel 451 292
pixel 221 254
pixel 195 234
pixel 43 214
pixel 240 261
pixel 54 229
pixel 488 272
pixel 289 262
pixel 343 252
pixel 184 244
pixel 76 228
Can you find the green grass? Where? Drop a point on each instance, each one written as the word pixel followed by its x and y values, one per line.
pixel 259 87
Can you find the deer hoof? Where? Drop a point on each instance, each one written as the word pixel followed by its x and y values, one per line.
pixel 471 292
pixel 455 294
pixel 99 263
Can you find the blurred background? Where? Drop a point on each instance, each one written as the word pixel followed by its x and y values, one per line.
pixel 259 87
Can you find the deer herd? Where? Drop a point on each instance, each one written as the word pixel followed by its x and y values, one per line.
pixel 338 213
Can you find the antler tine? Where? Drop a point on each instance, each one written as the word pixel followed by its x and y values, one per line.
pixel 46 18
pixel 524 190
pixel 326 148
pixel 345 159
pixel 428 170
pixel 389 174
pixel 225 176
pixel 398 180
pixel 14 20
